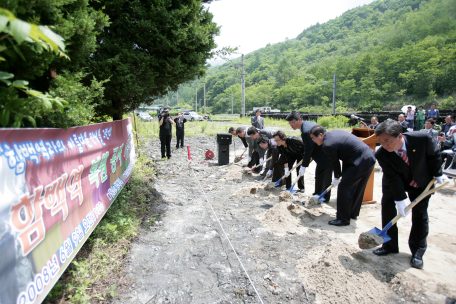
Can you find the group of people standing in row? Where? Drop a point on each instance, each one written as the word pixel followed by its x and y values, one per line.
pixel 419 116
pixel 443 136
pixel 409 162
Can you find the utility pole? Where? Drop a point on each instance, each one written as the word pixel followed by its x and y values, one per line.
pixel 167 97
pixel 204 92
pixel 334 95
pixel 231 102
pixel 178 98
pixel 243 86
pixel 196 98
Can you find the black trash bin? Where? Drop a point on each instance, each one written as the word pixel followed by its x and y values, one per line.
pixel 224 142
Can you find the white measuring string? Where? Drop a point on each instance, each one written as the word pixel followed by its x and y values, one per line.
pixel 232 247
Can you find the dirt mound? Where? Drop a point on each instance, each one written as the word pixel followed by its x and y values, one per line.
pixel 339 273
pixel 283 218
pixel 285 196
pixel 234 172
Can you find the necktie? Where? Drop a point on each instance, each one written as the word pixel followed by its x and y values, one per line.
pixel 403 154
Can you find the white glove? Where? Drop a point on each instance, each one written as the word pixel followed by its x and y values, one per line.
pixel 302 170
pixel 249 158
pixel 335 182
pixel 261 162
pixel 401 205
pixel 287 172
pixel 269 173
pixel 245 150
pixel 442 179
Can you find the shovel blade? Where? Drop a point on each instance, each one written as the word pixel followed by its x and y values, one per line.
pixel 386 237
pixel 277 183
pixel 291 189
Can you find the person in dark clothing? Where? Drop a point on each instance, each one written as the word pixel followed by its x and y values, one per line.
pixel 409 162
pixel 180 120
pixel 273 166
pixel 291 149
pixel 405 125
pixel 255 151
pixel 165 122
pixel 232 131
pixel 323 171
pixel 374 123
pixel 254 133
pixel 358 161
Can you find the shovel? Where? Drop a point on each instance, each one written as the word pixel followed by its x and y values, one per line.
pixel 238 159
pixel 297 165
pixel 292 186
pixel 375 236
pixel 256 166
pixel 320 197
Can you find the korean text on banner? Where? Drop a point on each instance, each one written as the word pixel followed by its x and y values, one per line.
pixel 55 187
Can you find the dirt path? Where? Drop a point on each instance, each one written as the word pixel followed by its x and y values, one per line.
pixel 289 251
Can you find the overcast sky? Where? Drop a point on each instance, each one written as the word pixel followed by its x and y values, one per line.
pixel 251 24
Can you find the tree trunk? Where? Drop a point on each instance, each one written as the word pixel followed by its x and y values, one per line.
pixel 117 115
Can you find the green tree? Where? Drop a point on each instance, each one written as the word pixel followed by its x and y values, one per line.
pixel 150 48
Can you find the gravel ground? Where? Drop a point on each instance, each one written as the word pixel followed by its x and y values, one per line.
pixel 185 256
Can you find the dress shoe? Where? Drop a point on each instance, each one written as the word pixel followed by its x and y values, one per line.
pixel 417 262
pixel 257 170
pixel 354 217
pixel 383 251
pixel 339 223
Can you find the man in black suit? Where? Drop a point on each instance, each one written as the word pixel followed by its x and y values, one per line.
pixel 409 162
pixel 374 123
pixel 358 161
pixel 405 125
pixel 255 134
pixel 179 121
pixel 323 171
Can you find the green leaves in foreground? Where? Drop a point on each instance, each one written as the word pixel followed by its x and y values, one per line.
pixel 14 107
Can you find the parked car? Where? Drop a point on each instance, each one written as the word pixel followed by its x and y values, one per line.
pixel 191 116
pixel 145 117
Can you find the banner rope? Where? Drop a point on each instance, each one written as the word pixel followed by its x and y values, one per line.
pixel 221 227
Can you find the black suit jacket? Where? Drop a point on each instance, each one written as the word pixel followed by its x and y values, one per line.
pixel 356 156
pixel 312 150
pixel 180 126
pixel 425 163
pixel 405 125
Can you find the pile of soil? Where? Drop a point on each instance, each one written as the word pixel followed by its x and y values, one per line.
pixel 339 273
pixel 283 218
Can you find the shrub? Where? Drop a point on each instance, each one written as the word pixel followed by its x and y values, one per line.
pixel 333 122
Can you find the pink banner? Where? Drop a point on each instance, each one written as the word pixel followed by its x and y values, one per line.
pixel 55 187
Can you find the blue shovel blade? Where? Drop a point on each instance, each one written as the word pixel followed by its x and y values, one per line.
pixel 278 182
pixel 386 237
pixel 291 189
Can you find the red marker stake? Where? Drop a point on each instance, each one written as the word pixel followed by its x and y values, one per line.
pixel 189 156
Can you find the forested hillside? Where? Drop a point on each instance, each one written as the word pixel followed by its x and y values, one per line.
pixel 389 52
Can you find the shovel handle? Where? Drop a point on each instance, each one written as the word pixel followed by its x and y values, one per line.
pixel 425 193
pixel 254 167
pixel 297 165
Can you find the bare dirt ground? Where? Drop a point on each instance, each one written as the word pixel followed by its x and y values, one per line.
pixel 289 251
